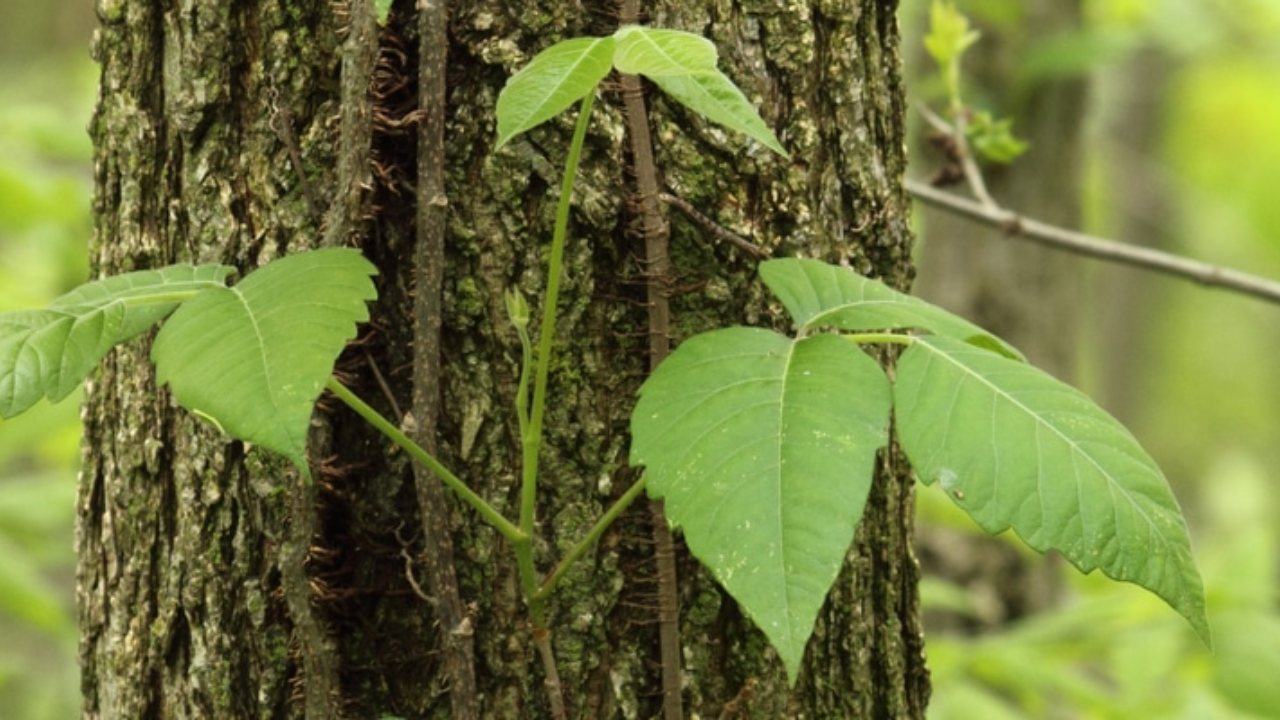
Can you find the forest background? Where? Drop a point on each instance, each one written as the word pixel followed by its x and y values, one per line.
pixel 1174 143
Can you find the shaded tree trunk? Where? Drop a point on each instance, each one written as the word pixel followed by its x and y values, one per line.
pixel 213 584
pixel 1144 200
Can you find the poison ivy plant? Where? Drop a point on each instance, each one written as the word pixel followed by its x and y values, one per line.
pixel 555 79
pixel 762 447
pixel 818 295
pixel 1017 449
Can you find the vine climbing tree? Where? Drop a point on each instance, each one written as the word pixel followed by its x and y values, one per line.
pixel 214 583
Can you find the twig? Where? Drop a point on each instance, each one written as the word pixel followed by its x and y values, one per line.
pixel 555 692
pixel 282 122
pixel 382 384
pixel 408 569
pixel 963 153
pixel 1081 244
pixel 355 134
pixel 713 227
pixel 656 234
pixel 457 643
pixel 321 686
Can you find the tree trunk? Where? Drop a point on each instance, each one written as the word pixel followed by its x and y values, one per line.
pixel 1144 201
pixel 213 584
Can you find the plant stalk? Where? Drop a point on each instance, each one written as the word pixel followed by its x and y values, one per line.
pixel 613 513
pixel 658 283
pixel 393 433
pixel 531 440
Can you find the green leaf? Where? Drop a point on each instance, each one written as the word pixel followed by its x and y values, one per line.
pixel 818 295
pixel 382 8
pixel 655 52
pixel 684 66
pixel 552 81
pixel 254 357
pixel 763 449
pixel 715 97
pixel 48 353
pixel 1017 449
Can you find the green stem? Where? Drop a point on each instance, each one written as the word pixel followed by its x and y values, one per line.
pixel 532 442
pixel 612 514
pixel 531 435
pixel 880 338
pixel 384 426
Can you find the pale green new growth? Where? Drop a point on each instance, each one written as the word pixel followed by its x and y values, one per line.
pixel 948 39
pixel 48 353
pixel 949 33
pixel 763 449
pixel 255 356
pixel 994 139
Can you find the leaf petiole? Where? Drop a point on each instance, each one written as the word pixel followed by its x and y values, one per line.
pixel 619 506
pixel 393 433
pixel 531 440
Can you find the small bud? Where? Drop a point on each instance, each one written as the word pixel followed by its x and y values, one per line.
pixel 517 308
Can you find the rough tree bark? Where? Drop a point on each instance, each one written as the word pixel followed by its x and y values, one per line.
pixel 213 585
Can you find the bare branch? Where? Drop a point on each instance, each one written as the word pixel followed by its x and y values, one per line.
pixel 1081 244
pixel 716 229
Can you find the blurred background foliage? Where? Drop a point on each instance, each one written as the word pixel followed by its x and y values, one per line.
pixel 46 96
pixel 1179 148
